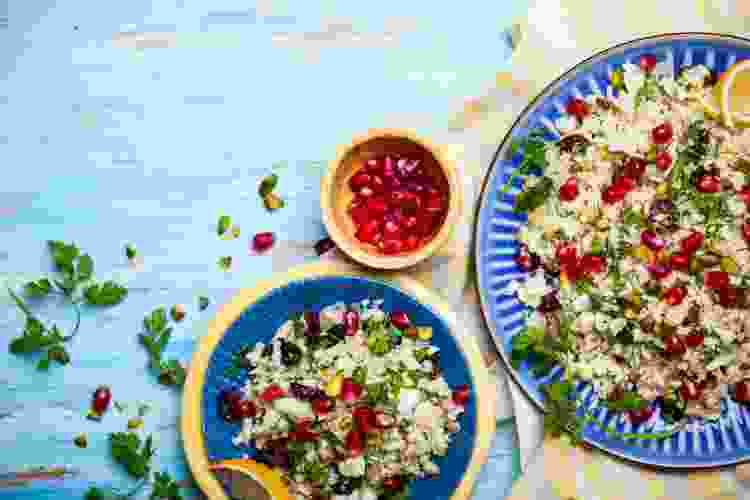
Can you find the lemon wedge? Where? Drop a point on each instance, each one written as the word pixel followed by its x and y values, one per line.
pixel 733 92
pixel 259 481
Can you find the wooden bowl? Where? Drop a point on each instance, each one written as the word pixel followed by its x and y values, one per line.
pixel 336 195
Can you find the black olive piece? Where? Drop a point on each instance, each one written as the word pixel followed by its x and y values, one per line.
pixel 435 357
pixel 396 340
pixel 344 486
pixel 338 331
pixel 290 354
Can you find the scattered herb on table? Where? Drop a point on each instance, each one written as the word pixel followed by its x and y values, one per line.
pixel 165 488
pixel 203 303
pixel 271 200
pixel 132 453
pixel 155 340
pixel 74 269
pixel 130 251
pixel 225 263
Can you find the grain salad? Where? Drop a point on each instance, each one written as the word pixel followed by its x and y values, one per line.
pixel 636 251
pixel 350 403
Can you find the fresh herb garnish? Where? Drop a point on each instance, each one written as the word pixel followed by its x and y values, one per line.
pixel 541 350
pixel 130 252
pixel 223 225
pixel 535 196
pixel 128 450
pixel 265 190
pixel 627 401
pixel 203 303
pixel 108 293
pixel 165 488
pixel 633 217
pixel 155 340
pixel 534 150
pixel 649 90
pixel 225 263
pixel 377 393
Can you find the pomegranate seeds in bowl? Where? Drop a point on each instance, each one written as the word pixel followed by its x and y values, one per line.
pixel 396 206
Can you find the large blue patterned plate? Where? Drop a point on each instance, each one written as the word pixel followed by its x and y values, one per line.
pixel 701 444
pixel 255 314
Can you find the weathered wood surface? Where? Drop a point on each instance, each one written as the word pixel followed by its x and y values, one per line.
pixel 108 137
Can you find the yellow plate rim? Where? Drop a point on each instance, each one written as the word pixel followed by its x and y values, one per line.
pixel 191 423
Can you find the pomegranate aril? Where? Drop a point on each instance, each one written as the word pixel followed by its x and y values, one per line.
pixel 614 194
pixel 746 230
pixel 377 206
pixel 410 222
pixel 569 190
pixel 366 192
pixel 634 167
pixel 359 180
pixel 640 415
pixel 242 409
pixel 674 345
pixel 263 241
pixel 689 391
pixel 709 184
pixel 593 264
pixel 391 230
pixel 322 406
pixel 742 391
pixel 360 214
pixel 716 279
pixel 663 160
pixel 368 231
pixel 354 443
pixel 692 243
pixel 578 108
pixel 662 134
pixel 400 320
pixel 100 401
pixel 680 261
pixel 675 295
pixel 694 339
pixel 647 62
pixel 461 394
pixel 391 247
pixel 351 322
pixel 728 296
pixel 434 205
pixel 411 243
pixel 377 184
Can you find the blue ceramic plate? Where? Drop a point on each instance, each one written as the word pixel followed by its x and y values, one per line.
pixel 255 317
pixel 724 442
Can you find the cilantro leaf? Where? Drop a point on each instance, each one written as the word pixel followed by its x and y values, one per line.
pixel 63 254
pixel 38 288
pixel 155 340
pixel 85 268
pixel 108 293
pixel 165 488
pixel 267 185
pixel 127 450
pixel 172 373
pixel 94 493
pixel 534 149
pixel 627 401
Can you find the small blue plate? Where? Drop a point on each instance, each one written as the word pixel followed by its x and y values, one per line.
pixel 709 444
pixel 255 317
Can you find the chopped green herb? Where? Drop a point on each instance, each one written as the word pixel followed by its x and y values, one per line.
pixel 38 288
pixel 534 197
pixel 225 263
pixel 627 401
pixel 130 251
pixel 534 149
pixel 359 376
pixel 267 185
pixel 633 217
pixel 108 293
pixel 165 488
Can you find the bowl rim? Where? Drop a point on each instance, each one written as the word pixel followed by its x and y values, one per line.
pixel 191 420
pixel 482 202
pixel 447 164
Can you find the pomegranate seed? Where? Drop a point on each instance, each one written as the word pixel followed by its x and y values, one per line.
pixel 389 166
pixel 691 243
pixel 709 184
pixel 528 262
pixel 675 295
pixel 302 432
pixel 425 224
pixel 411 243
pixel 230 397
pixel 674 345
pixel 271 393
pixel 626 183
pixel 744 193
pixel 434 205
pixel 263 241
pixel 392 483
pixel 694 339
pixel 359 180
pixel 322 406
pixel 689 391
pixel 411 202
pixel 634 167
pixel 680 261
pixel 101 398
pixel 662 134
pixel 324 246
pixel 243 408
pixel 569 190
pixel 652 241
pixel 376 206
pixel 742 391
pixel 312 322
pixel 377 184
pixel 350 391
pixel 410 222
pixel 647 62
pixel 550 303
pixel 641 415
pixel 716 279
pixel 351 322
pixel 368 231
pixel 400 320
pixel 391 230
pixel 374 166
pixel 461 394
pixel 354 443
pixel 366 192
pixel 728 296
pixel 593 264
pixel 391 247
pixel 663 160
pixel 364 418
pixel 659 271
pixel 746 230
pixel 359 214
pixel 614 194
pixel 578 108
pixel 567 253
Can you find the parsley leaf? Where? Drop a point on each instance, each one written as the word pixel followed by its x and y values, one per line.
pixel 165 488
pixel 38 288
pixel 534 197
pixel 127 450
pixel 155 340
pixel 534 149
pixel 627 401
pixel 37 338
pixel 108 293
pixel 223 225
pixel 267 185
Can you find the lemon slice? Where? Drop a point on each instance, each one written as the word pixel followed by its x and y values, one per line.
pixel 734 94
pixel 256 480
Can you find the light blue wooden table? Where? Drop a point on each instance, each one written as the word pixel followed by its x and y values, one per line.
pixel 103 143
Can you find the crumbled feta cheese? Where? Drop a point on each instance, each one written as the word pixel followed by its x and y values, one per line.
pixel 407 401
pixel 293 407
pixel 532 290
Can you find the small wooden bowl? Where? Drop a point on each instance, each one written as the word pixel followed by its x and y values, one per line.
pixel 335 194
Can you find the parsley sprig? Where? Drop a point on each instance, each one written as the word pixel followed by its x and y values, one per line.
pixel 74 270
pixel 155 339
pixel 534 150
